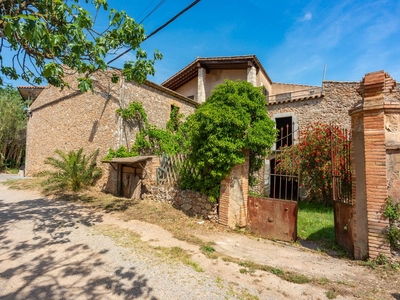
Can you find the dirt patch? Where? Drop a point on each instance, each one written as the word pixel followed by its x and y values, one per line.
pixel 249 267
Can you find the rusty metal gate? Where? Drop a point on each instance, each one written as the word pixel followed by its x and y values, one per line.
pixel 275 216
pixel 342 186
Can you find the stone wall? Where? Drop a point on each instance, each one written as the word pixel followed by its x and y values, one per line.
pixel 191 203
pixel 332 107
pixel 68 119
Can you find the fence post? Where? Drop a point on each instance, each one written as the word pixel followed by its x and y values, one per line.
pixel 370 163
pixel 232 210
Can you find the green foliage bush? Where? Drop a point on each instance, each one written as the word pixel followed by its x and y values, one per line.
pixel 392 212
pixel 73 170
pixel 311 159
pixel 234 118
pixel 12 128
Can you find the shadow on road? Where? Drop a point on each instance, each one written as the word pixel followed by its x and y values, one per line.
pixel 39 261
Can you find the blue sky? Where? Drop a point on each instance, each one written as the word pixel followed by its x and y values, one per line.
pixel 292 39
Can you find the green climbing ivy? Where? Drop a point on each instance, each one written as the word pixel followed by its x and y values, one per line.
pixel 151 140
pixel 234 118
pixel 392 212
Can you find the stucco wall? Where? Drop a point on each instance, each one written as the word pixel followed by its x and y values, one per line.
pixel 333 107
pixel 68 120
pixel 278 88
pixel 189 89
pixel 262 80
pixel 216 77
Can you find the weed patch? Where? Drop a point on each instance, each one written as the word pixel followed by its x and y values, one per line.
pixel 381 262
pixel 331 295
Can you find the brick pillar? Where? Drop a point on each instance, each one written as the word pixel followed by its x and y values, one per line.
pixel 369 165
pixel 201 85
pixel 232 209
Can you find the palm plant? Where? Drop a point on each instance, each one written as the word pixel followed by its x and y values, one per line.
pixel 73 170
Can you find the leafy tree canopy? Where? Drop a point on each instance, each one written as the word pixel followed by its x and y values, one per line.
pixel 12 127
pixel 46 35
pixel 234 118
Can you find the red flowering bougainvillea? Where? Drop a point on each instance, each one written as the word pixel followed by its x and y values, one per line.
pixel 317 148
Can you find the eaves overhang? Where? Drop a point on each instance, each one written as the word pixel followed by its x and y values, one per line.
pixel 226 62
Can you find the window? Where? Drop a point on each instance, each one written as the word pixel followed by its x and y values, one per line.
pixel 285 134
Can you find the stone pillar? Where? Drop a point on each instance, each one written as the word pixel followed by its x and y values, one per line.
pixel 252 75
pixel 370 165
pixel 201 85
pixel 232 209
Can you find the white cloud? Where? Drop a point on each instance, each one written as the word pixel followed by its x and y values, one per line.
pixel 350 39
pixel 307 17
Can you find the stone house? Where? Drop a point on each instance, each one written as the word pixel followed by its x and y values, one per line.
pixel 68 120
pixel 286 103
pixel 291 106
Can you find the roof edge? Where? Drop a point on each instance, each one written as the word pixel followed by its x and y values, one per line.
pixel 221 59
pixel 170 92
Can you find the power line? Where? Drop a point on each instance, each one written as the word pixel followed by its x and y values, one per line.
pixel 154 9
pixel 158 29
pixel 146 9
pixel 173 19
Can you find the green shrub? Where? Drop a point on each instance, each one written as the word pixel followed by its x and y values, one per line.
pixel 73 170
pixel 311 158
pixel 234 118
pixel 12 128
pixel 392 212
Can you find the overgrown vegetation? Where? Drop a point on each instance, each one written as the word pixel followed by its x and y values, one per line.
pixel 311 159
pixel 234 118
pixel 151 140
pixel 12 128
pixel 382 262
pixel 73 170
pixel 392 212
pixel 251 267
pixel 46 36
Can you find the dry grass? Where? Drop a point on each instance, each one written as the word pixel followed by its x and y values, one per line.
pixel 34 184
pixel 132 241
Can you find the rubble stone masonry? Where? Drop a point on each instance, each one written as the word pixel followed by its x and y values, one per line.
pixel 332 107
pixel 68 119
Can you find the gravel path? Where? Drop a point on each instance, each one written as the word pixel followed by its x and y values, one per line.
pixel 52 250
pixel 60 250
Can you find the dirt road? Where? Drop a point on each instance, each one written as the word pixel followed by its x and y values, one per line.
pixel 59 250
